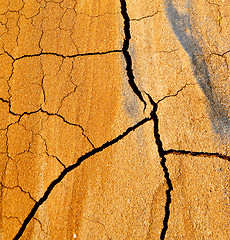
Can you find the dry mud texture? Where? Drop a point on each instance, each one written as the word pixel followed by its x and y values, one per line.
pixel 114 119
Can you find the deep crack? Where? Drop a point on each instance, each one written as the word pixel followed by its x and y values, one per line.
pixel 126 52
pixel 162 154
pixel 153 114
pixel 72 167
pixel 4 100
pixel 196 154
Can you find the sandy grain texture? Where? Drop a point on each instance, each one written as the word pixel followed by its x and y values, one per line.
pixel 114 119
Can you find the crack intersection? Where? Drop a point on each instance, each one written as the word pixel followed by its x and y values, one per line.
pixel 153 117
pixel 153 114
pixel 71 168
pixel 21 189
pixel 162 154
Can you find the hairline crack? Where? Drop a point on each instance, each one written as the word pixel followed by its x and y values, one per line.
pixel 71 168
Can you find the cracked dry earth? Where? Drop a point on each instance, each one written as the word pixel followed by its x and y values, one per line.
pixel 114 119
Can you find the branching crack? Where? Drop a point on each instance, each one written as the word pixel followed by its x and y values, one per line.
pixel 49 114
pixel 72 124
pixel 162 154
pixel 153 114
pixel 21 189
pixel 95 150
pixel 71 168
pixel 50 155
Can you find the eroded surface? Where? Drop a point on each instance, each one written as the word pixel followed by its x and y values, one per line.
pixel 106 131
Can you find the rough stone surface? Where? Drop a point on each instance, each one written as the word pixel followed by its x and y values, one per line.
pixel 114 119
